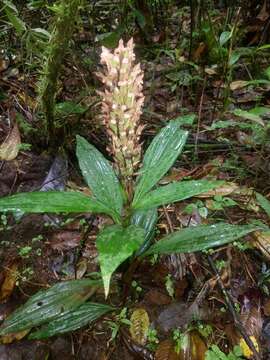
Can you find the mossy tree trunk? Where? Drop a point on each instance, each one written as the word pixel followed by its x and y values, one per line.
pixel 66 14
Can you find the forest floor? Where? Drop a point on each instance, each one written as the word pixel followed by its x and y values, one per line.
pixel 181 293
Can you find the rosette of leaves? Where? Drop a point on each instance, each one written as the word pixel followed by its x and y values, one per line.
pixel 135 218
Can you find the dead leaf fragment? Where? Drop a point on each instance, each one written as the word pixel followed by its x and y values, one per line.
pixel 251 320
pixel 3 64
pixel 81 268
pixel 266 307
pixel 238 84
pixel 223 190
pixel 210 71
pixel 245 348
pixel 197 346
pixel 263 14
pixel 139 326
pixel 10 277
pixel 193 348
pixel 165 351
pixel 10 147
pixel 65 240
pixel 7 339
pixel 262 242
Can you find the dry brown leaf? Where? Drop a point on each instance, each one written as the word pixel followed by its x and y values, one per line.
pixel 210 71
pixel 262 242
pixel 10 277
pixel 165 351
pixel 223 190
pixel 139 326
pixel 156 297
pixel 81 268
pixel 194 349
pixel 3 64
pixel 238 84
pixel 10 147
pixel 251 320
pixel 266 307
pixel 64 240
pixel 263 14
pixel 197 346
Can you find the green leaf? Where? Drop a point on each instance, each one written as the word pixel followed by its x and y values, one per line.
pixel 66 108
pixel 235 56
pixel 159 157
pixel 16 22
pixel 52 202
pixel 249 115
pixel 42 33
pixel 145 219
pixel 186 119
pixel 109 39
pixel 176 192
pixel 99 175
pixel 140 18
pixel 12 15
pixel 266 46
pixel 9 4
pixel 81 316
pixel 200 238
pixel 264 203
pixel 49 304
pixel 115 244
pixel 224 37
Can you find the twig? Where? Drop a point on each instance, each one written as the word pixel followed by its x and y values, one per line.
pixel 199 118
pixel 230 306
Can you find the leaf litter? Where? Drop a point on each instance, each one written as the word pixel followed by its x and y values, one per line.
pixel 65 242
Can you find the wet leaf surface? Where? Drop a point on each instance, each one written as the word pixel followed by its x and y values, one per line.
pixel 115 244
pixel 46 305
pixel 159 157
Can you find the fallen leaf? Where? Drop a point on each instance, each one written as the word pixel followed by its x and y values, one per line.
pixel 165 351
pixel 263 14
pixel 139 326
pixel 64 240
pixel 198 53
pixel 3 64
pixel 197 346
pixel 10 278
pixel 251 320
pixel 81 268
pixel 7 339
pixel 262 242
pixel 210 71
pixel 223 190
pixel 266 307
pixel 155 297
pixel 238 84
pixel 245 348
pixel 10 147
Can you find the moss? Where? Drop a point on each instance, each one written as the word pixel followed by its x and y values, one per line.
pixel 65 18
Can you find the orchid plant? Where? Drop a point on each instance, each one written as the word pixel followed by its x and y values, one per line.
pixel 128 191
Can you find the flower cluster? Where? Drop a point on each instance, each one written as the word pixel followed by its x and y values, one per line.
pixel 122 101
